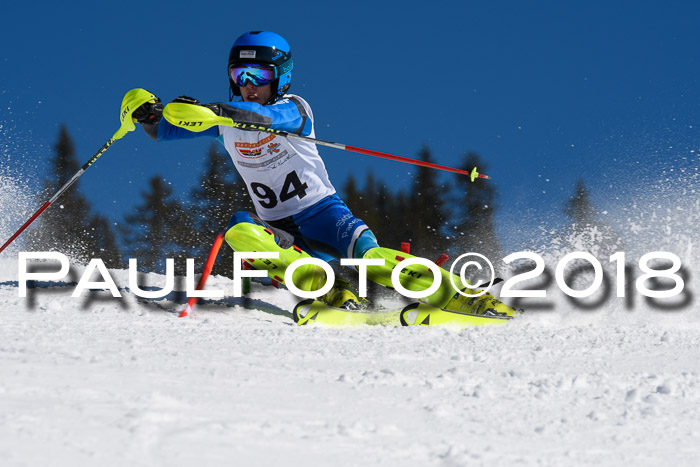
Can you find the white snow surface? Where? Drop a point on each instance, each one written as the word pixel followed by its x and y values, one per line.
pixel 102 381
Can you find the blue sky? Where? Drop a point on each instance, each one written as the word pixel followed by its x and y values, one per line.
pixel 546 92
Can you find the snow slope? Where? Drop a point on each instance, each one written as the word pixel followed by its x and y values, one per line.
pixel 102 381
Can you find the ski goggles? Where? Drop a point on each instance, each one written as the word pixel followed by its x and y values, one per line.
pixel 257 75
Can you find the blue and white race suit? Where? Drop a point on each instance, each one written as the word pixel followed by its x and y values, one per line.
pixel 286 178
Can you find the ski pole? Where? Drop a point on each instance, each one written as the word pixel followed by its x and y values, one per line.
pixel 132 100
pixel 198 118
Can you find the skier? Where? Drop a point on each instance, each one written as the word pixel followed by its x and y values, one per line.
pixel 297 210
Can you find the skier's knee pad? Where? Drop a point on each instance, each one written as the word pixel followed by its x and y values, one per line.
pixel 414 277
pixel 247 236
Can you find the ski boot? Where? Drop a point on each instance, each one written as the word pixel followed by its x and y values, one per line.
pixel 342 296
pixel 416 278
pixel 484 305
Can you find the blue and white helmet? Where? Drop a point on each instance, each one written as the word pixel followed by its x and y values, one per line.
pixel 263 48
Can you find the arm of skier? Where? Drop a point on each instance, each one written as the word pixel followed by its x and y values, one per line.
pixel 287 115
pixel 150 116
pixel 166 131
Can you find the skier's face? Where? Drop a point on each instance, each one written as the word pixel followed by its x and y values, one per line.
pixel 259 94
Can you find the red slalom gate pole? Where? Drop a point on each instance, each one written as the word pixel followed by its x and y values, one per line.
pixel 189 308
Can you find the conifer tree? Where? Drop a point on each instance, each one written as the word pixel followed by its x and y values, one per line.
pixel 159 228
pixel 474 229
pixel 220 194
pixel 383 216
pixel 368 204
pixel 418 217
pixel 353 196
pixel 579 207
pixel 105 242
pixel 427 214
pixel 399 223
pixel 360 201
pixel 68 225
pixel 377 206
pixel 587 231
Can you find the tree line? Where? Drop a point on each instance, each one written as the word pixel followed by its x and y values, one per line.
pixel 436 213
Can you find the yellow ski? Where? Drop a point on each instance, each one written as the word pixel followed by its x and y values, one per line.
pixel 313 311
pixel 417 314
pixel 420 314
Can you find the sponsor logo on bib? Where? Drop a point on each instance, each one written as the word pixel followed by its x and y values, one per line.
pixel 255 150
